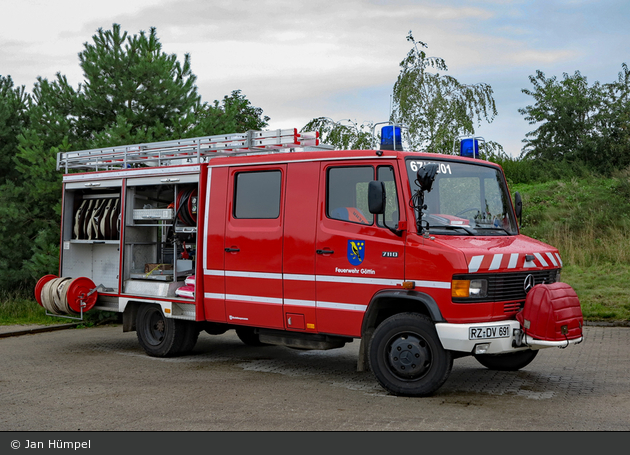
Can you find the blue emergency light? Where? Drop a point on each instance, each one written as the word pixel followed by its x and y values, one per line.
pixel 391 138
pixel 466 147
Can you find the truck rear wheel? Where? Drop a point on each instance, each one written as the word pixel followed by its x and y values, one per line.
pixel 512 361
pixel 160 336
pixel 407 357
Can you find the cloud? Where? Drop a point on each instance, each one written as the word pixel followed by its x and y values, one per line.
pixel 298 60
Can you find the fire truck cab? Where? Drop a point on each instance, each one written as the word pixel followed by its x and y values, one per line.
pixel 290 243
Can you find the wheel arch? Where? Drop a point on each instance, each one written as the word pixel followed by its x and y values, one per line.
pixel 389 302
pixel 130 315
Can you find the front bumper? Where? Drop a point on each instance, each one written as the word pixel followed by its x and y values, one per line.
pixel 455 337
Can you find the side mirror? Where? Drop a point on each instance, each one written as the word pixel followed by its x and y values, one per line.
pixel 376 197
pixel 426 176
pixel 518 206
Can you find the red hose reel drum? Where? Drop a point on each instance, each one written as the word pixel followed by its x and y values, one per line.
pixel 40 285
pixel 187 206
pixel 81 291
pixel 65 295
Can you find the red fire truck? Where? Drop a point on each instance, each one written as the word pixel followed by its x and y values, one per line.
pixel 289 242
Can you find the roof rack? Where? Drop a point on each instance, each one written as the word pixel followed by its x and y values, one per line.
pixel 194 150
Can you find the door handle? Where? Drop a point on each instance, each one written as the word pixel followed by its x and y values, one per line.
pixel 324 251
pixel 232 250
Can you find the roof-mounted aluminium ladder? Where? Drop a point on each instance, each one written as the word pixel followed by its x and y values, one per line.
pixel 194 150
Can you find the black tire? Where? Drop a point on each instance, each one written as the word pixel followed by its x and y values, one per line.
pixel 191 336
pixel 512 361
pixel 248 336
pixel 406 356
pixel 160 336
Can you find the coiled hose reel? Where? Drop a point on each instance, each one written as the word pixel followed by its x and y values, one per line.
pixel 65 295
pixel 187 207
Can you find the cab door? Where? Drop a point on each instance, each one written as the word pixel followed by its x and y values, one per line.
pixel 356 254
pixel 253 245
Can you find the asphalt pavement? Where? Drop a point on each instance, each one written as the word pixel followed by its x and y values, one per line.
pixel 99 379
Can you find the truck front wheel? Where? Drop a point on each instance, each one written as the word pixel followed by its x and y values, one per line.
pixel 512 361
pixel 160 336
pixel 407 357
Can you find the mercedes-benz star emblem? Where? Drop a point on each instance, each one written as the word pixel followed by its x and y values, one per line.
pixel 528 284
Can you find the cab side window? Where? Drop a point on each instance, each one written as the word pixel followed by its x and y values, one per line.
pixel 257 195
pixel 385 174
pixel 346 194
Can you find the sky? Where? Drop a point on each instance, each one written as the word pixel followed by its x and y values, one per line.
pixel 298 60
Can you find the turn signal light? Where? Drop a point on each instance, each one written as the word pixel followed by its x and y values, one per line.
pixel 460 288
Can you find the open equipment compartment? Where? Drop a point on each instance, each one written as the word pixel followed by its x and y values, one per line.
pixel 160 234
pixel 91 232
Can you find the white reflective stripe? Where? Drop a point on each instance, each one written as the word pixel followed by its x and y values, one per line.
pixel 341 306
pixel 293 302
pixel 432 284
pixel 253 298
pixel 513 261
pixel 306 303
pixel 328 279
pixel 213 295
pixel 298 277
pixel 552 259
pixel 541 259
pixel 496 262
pixel 349 279
pixel 559 260
pixel 475 263
pixel 239 274
pixel 205 218
pixel 214 272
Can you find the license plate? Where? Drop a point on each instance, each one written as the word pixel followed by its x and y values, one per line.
pixel 490 331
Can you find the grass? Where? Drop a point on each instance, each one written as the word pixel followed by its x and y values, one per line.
pixel 588 220
pixel 20 308
pixel 604 290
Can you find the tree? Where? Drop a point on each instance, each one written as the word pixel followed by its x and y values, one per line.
pixel 13 117
pixel 133 93
pixel 341 136
pixel 435 107
pixel 579 123
pixel 234 114
pixel 130 76
pixel 565 112
pixel 30 205
pixel 613 121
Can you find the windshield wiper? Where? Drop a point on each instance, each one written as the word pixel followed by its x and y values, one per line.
pixel 448 226
pixel 494 228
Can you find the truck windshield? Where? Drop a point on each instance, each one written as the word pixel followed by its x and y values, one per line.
pixel 465 199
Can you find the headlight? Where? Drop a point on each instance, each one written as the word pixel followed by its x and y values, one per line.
pixel 473 289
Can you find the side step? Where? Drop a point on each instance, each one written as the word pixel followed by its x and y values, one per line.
pixel 302 340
